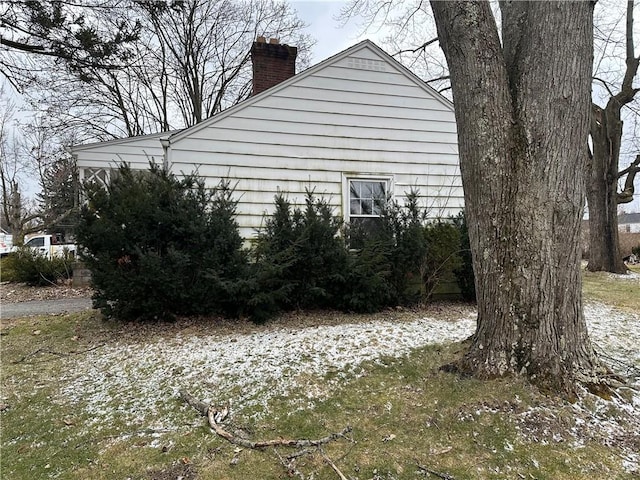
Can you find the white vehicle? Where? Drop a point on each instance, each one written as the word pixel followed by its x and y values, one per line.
pixel 6 244
pixel 51 246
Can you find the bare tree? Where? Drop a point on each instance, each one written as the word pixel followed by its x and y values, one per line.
pixel 191 61
pixel 14 168
pixel 522 109
pixel 65 30
pixel 603 171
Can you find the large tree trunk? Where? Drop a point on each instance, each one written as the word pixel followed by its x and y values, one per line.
pixel 602 169
pixel 522 113
pixel 602 190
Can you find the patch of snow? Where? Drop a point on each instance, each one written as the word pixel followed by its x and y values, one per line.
pixel 616 336
pixel 136 383
pixel 629 276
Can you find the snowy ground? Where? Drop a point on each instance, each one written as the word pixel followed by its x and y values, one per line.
pixel 135 381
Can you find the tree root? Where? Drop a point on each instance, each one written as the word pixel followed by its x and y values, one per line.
pixel 216 416
pixel 599 380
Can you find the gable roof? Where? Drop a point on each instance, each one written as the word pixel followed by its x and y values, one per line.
pixel 628 218
pixel 365 44
pixel 123 141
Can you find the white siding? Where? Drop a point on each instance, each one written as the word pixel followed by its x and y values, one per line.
pixel 629 227
pixel 136 151
pixel 357 115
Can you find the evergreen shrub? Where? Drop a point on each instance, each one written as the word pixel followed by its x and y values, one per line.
pixel 158 246
pixel 442 256
pixel 301 260
pixel 464 271
pixel 368 287
pixel 29 266
pixel 406 225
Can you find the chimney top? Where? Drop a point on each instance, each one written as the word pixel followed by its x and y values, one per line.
pixel 273 63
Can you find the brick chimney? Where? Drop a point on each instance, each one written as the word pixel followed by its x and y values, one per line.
pixel 272 63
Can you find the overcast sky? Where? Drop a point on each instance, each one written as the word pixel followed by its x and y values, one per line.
pixel 331 37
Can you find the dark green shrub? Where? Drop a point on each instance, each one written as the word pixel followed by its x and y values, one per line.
pixel 158 246
pixel 398 246
pixel 367 286
pixel 418 255
pixel 442 256
pixel 301 260
pixel 34 268
pixel 410 248
pixel 464 272
pixel 636 251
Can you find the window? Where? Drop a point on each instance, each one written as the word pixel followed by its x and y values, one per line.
pixel 36 242
pixel 366 199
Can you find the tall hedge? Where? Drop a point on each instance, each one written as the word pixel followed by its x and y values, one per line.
pixel 158 245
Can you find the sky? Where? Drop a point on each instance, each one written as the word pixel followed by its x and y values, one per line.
pixel 331 37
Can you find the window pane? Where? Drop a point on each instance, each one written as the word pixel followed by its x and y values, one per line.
pixel 378 190
pixel 377 206
pixel 355 190
pixel 367 207
pixel 36 242
pixel 354 207
pixel 363 228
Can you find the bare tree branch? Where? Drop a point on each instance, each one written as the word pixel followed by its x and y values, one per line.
pixel 605 84
pixel 438 79
pixel 626 195
pixel 422 47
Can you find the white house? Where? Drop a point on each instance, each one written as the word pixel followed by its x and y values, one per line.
pixel 354 127
pixel 629 222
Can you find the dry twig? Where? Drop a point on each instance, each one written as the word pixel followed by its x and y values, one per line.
pixel 443 476
pixel 210 412
pixel 58 354
pixel 333 465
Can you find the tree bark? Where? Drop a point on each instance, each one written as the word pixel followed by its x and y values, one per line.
pixel 522 112
pixel 602 190
pixel 602 168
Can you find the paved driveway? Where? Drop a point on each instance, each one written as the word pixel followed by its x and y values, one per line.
pixel 44 307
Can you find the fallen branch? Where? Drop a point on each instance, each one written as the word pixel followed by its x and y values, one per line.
pixel 58 354
pixel 213 416
pixel 289 466
pixel 333 465
pixel 443 476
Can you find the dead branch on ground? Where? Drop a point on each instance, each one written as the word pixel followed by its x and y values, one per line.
pixel 333 465
pixel 42 350
pixel 443 476
pixel 216 417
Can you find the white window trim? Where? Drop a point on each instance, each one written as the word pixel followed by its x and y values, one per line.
pixel 347 177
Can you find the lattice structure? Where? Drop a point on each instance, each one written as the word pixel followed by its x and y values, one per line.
pixel 97 175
